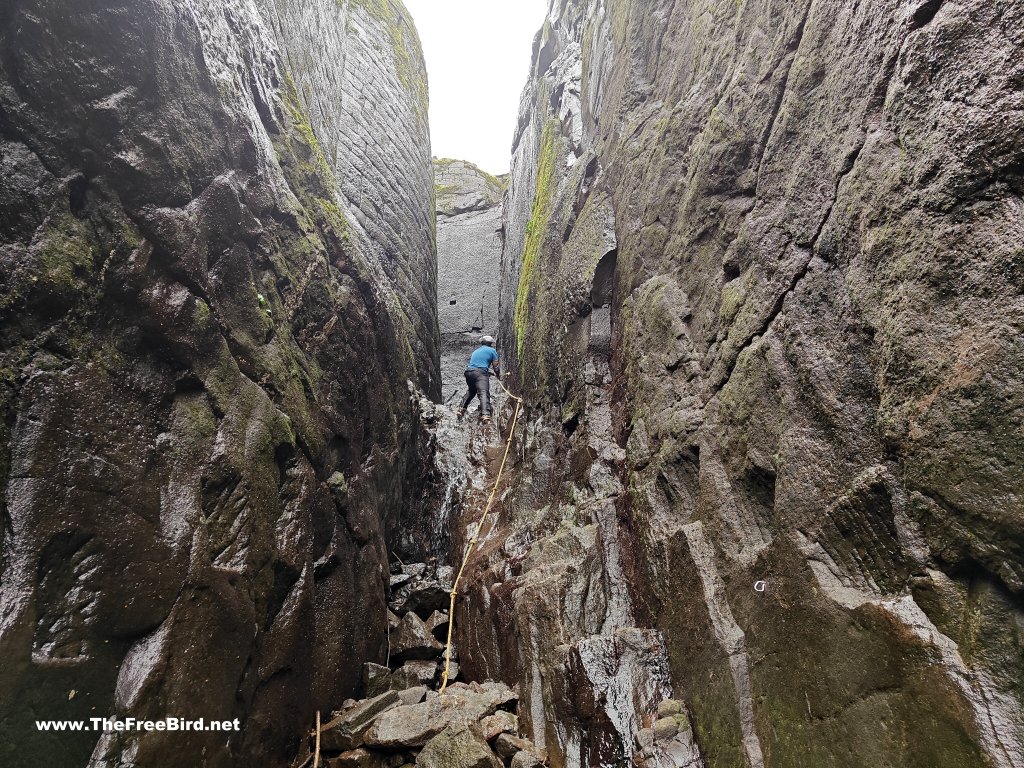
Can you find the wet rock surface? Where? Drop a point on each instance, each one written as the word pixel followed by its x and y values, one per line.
pixel 206 340
pixel 767 318
pixel 468 265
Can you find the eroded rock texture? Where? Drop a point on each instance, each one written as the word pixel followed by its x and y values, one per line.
pixel 469 244
pixel 217 294
pixel 762 289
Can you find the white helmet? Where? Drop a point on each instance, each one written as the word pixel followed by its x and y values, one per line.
pixel 488 340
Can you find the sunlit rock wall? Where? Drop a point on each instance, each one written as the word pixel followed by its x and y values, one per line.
pixel 217 290
pixel 800 224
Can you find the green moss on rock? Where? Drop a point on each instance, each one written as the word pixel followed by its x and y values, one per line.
pixel 405 46
pixel 540 212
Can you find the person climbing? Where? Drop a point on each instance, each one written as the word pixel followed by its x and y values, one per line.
pixel 478 373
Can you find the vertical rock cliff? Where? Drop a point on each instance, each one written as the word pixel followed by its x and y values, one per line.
pixel 762 289
pixel 359 72
pixel 218 258
pixel 469 244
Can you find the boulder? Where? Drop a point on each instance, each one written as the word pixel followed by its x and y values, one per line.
pixel 412 640
pixel 411 726
pixel 525 760
pixel 445 575
pixel 672 754
pixel 346 731
pixel 413 695
pixel 665 728
pixel 398 580
pixel 356 758
pixel 413 673
pixel 507 745
pixel 498 694
pixel 426 595
pixel 376 679
pixel 500 722
pixel 458 747
pixel 670 707
pixel 423 598
pixel 438 625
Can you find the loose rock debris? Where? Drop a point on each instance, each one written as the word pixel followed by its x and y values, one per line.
pixel 404 721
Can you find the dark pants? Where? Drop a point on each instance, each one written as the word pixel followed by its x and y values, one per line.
pixel 479 383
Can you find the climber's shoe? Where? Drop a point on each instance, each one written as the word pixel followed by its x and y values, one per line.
pixel 485 419
pixel 461 414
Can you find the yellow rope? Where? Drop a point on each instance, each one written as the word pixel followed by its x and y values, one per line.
pixel 476 537
pixel 316 749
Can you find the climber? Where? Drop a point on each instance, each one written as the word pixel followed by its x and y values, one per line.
pixel 478 373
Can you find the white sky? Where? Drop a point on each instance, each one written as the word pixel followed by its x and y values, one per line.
pixel 478 60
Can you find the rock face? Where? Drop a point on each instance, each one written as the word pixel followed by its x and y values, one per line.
pixel 762 290
pixel 363 84
pixel 217 285
pixel 469 243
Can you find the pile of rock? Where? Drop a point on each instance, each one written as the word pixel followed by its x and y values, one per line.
pixel 668 743
pixel 468 726
pixel 417 630
pixel 404 721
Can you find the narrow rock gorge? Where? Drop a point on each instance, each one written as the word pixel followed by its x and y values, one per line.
pixel 757 272
pixel 762 291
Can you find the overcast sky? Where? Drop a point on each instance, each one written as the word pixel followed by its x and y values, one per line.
pixel 478 59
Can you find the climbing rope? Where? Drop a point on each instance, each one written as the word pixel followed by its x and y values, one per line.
pixel 476 537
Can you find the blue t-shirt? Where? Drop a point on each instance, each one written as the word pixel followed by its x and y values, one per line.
pixel 482 358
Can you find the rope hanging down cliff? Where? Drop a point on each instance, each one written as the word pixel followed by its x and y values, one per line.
pixel 476 536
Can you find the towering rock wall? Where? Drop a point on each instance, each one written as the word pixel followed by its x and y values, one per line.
pixel 208 319
pixel 762 290
pixel 359 72
pixel 469 242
